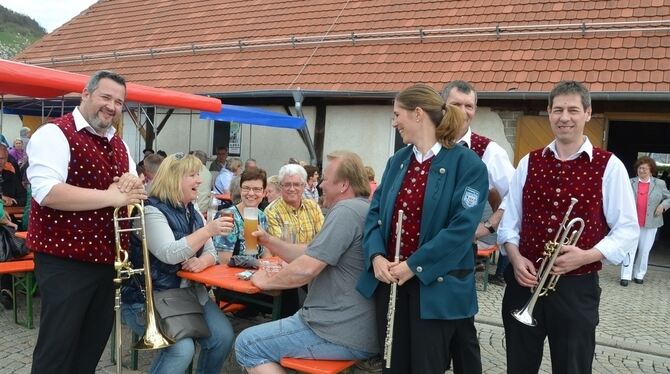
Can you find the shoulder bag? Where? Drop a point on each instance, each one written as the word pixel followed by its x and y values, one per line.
pixel 180 314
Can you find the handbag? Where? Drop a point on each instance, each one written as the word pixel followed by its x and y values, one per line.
pixel 10 246
pixel 180 314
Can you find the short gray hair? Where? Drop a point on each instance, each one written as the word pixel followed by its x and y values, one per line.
pixel 201 155
pixel 292 169
pixel 101 74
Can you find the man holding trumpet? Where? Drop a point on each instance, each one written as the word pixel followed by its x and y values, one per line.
pixel 539 198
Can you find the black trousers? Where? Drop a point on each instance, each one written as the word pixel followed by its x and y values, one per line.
pixel 567 316
pixel 77 314
pixel 419 345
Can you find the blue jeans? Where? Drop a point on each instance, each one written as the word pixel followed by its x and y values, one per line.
pixel 176 358
pixel 288 337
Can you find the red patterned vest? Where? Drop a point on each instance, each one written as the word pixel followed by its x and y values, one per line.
pixel 479 143
pixel 546 197
pixel 81 235
pixel 410 200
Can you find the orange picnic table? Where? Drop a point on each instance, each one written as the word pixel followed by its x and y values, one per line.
pixel 226 277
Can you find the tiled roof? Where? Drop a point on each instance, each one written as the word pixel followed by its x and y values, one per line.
pixel 209 46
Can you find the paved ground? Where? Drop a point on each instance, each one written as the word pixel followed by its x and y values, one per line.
pixel 633 336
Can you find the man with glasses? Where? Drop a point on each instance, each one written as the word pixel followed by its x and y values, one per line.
pixel 292 211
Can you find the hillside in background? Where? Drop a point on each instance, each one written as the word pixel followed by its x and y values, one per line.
pixel 17 32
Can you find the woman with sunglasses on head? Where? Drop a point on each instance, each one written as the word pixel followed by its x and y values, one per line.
pixel 178 239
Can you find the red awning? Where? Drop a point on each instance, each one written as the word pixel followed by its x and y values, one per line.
pixel 34 81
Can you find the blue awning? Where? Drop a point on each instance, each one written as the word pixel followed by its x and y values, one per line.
pixel 254 116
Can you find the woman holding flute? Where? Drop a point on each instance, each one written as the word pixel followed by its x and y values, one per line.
pixel 442 188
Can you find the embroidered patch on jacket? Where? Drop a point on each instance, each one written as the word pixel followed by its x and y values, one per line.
pixel 470 197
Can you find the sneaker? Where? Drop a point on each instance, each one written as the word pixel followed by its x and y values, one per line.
pixel 498 280
pixel 624 283
pixel 6 299
pixel 638 281
pixel 371 365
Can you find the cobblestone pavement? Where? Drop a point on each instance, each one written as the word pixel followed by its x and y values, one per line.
pixel 633 335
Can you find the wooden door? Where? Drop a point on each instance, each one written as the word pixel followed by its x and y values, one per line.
pixel 533 132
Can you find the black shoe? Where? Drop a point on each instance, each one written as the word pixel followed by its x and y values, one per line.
pixel 6 299
pixel 624 283
pixel 498 280
pixel 638 281
pixel 371 365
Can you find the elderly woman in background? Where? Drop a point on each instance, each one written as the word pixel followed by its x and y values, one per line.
pixel 18 152
pixel 179 239
pixel 273 190
pixel 652 199
pixel 442 190
pixel 252 191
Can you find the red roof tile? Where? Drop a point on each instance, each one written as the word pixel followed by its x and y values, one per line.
pixel 210 46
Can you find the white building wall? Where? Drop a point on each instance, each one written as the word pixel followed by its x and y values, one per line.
pixel 11 125
pixel 364 129
pixel 489 124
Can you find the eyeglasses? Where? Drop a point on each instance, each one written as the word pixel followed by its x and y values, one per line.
pixel 294 185
pixel 644 167
pixel 247 189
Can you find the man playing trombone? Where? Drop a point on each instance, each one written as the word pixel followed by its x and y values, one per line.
pixel 539 199
pixel 80 169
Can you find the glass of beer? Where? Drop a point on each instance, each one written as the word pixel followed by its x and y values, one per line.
pixel 250 225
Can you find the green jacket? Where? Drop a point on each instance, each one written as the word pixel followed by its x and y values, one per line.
pixel 444 261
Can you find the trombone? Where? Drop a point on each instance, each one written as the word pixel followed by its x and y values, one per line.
pixel 552 249
pixel 153 338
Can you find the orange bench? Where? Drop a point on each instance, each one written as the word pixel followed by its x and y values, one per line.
pixel 228 307
pixel 313 366
pixel 22 283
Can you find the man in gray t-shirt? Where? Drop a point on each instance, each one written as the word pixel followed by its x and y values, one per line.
pixel 336 322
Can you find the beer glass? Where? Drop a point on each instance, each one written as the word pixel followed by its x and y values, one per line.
pixel 250 225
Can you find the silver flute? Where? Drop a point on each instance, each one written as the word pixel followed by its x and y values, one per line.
pixel 390 314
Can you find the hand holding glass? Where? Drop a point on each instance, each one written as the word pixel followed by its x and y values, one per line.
pixel 250 225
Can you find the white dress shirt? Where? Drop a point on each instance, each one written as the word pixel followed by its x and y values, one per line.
pixel 498 165
pixel 433 151
pixel 618 206
pixel 49 155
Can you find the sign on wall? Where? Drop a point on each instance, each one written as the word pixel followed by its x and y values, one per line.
pixel 235 140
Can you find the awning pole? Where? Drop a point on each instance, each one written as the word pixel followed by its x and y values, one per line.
pixel 298 98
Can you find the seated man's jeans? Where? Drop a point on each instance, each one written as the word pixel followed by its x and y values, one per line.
pixel 288 337
pixel 176 358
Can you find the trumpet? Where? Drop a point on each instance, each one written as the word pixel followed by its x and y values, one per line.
pixel 153 338
pixel 390 314
pixel 547 281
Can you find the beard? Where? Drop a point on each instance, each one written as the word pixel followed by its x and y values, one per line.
pixel 99 124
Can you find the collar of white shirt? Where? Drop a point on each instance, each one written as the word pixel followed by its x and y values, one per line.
pixel 467 138
pixel 81 123
pixel 586 147
pixel 433 151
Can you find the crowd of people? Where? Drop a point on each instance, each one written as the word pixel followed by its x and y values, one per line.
pixel 337 232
